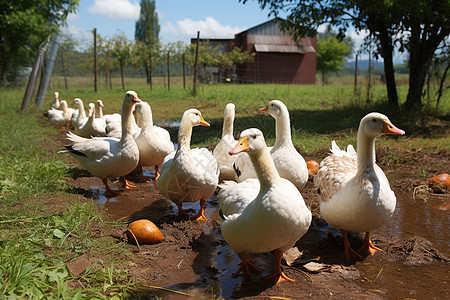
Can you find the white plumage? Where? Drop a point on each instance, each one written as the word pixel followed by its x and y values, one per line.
pixel 354 193
pixel 59 117
pixel 79 118
pixel 264 214
pixel 220 152
pixel 189 175
pixel 93 127
pixel 289 163
pixel 153 142
pixel 106 157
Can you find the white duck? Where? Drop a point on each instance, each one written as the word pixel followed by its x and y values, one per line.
pixel 261 216
pixel 354 193
pixel 189 175
pixel 59 117
pixel 78 119
pixel 154 144
pixel 106 157
pixel 94 127
pixel 227 142
pixel 55 103
pixel 289 163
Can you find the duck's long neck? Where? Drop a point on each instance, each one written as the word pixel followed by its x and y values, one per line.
pixel 264 167
pixel 98 112
pixel 283 129
pixel 227 128
pixel 82 112
pixel 147 121
pixel 365 151
pixel 127 122
pixel 184 134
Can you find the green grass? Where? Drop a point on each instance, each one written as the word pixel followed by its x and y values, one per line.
pixel 36 241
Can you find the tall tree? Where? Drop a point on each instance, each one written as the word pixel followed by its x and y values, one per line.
pixel 147 31
pixel 24 25
pixel 418 26
pixel 121 51
pixel 331 52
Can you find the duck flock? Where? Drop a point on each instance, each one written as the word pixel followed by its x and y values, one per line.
pixel 261 208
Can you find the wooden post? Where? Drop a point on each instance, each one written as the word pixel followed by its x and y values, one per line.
pixel 184 73
pixel 195 63
pixel 95 60
pixel 369 81
pixel 63 69
pixel 150 69
pixel 355 91
pixel 168 71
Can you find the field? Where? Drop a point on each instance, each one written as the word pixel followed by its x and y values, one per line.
pixel 61 238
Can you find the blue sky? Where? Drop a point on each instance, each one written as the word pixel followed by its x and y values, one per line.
pixel 179 19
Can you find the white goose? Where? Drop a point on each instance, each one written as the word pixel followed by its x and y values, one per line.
pixel 154 144
pixel 289 163
pixel 354 193
pixel 94 127
pixel 189 175
pixel 106 157
pixel 59 117
pixel 78 119
pixel 55 103
pixel 261 216
pixel 227 142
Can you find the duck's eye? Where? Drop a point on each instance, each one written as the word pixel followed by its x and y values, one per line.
pixel 271 104
pixel 254 137
pixel 196 114
pixel 374 120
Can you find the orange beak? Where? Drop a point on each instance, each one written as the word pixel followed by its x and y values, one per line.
pixel 264 109
pixel 203 122
pixel 241 146
pixel 136 99
pixel 389 128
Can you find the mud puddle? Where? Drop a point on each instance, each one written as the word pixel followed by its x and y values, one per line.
pixel 195 259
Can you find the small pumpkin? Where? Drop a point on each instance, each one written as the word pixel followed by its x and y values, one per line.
pixel 313 167
pixel 144 231
pixel 440 183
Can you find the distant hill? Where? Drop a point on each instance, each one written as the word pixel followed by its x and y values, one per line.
pixel 364 64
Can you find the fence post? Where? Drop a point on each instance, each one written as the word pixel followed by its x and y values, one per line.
pixel 168 71
pixel 48 69
pixel 63 69
pixel 195 63
pixel 355 91
pixel 184 73
pixel 33 76
pixel 95 60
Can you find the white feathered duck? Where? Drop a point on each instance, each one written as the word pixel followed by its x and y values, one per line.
pixel 108 157
pixel 153 142
pixel 289 163
pixel 354 192
pixel 220 152
pixel 189 175
pixel 264 214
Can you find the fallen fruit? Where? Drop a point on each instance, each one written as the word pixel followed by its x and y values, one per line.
pixel 313 167
pixel 144 231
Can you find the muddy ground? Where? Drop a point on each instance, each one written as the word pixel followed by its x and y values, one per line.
pixel 194 258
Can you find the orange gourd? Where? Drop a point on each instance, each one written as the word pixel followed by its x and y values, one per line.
pixel 144 231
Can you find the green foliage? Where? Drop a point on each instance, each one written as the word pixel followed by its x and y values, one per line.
pixel 24 25
pixel 331 55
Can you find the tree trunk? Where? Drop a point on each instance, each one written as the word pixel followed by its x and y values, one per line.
pixel 386 52
pixel 421 54
pixel 441 85
pixel 121 75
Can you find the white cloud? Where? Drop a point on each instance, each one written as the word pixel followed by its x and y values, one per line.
pixel 73 17
pixel 209 28
pixel 116 9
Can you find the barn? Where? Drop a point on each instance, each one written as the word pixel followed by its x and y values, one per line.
pixel 277 57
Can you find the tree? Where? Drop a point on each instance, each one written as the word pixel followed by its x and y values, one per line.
pixel 24 25
pixel 147 32
pixel 234 57
pixel 121 51
pixel 418 26
pixel 331 53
